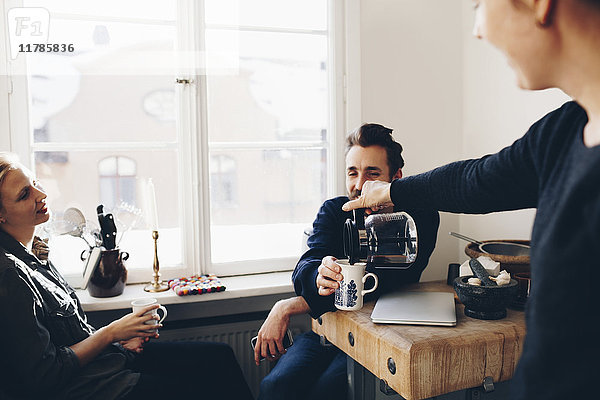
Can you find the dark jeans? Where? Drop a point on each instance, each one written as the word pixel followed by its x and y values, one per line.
pixel 307 371
pixel 188 369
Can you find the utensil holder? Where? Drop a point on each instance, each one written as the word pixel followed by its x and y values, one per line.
pixel 109 278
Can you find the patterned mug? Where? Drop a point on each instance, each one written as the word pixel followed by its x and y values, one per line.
pixel 349 296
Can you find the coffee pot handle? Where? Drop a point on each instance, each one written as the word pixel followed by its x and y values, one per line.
pixel 359 218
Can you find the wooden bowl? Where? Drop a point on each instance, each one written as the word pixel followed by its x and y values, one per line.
pixel 512 264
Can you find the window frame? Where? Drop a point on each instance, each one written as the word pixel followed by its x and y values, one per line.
pixel 193 149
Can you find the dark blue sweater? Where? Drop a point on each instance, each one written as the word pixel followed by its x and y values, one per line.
pixel 551 169
pixel 327 240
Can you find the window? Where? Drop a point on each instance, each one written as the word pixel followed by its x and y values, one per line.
pixel 117 181
pixel 241 150
pixel 223 181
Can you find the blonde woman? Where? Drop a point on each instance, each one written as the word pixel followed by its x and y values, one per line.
pixel 48 348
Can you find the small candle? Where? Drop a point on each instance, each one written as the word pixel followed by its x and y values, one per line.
pixel 152 210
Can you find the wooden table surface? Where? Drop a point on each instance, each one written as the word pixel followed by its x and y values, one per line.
pixel 429 360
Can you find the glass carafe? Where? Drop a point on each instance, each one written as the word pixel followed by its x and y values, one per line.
pixel 384 240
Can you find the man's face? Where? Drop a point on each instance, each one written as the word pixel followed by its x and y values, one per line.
pixel 366 164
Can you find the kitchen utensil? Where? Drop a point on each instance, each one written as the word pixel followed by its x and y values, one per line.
pixel 485 302
pixel 109 277
pixel 497 247
pixel 97 236
pixel 82 227
pixel 126 217
pixel 58 227
pixel 108 228
pixel 480 272
pixel 385 240
pixel 92 259
pixel 77 220
pixel 72 223
pixel 512 264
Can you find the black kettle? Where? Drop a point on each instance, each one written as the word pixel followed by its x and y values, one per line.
pixel 383 240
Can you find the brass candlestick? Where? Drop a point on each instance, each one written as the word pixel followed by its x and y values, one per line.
pixel 156 285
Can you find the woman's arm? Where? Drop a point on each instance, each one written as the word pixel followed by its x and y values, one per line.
pixel 34 363
pixel 507 180
pixel 130 326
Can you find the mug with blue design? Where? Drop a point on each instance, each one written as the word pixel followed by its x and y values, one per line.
pixel 349 296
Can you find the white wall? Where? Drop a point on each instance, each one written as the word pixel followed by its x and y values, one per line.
pixel 448 96
pixel 411 70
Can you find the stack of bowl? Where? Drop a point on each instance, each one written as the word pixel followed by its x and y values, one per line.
pixel 512 264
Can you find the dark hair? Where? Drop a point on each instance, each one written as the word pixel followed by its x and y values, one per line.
pixel 378 135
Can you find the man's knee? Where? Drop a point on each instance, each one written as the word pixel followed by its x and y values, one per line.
pixel 276 386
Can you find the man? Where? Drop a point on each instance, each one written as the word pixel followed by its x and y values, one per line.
pixel 310 370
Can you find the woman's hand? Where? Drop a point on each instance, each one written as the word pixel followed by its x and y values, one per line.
pixel 134 324
pixel 374 195
pixel 270 336
pixel 126 328
pixel 329 276
pixel 135 344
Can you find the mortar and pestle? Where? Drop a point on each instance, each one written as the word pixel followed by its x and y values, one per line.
pixel 488 301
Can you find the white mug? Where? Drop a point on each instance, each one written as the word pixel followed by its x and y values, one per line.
pixel 137 305
pixel 349 296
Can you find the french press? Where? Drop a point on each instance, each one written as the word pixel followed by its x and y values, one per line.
pixel 385 240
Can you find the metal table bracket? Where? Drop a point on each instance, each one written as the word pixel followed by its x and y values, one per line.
pixel 488 384
pixel 386 389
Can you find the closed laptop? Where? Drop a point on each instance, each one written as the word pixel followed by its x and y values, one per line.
pixel 415 308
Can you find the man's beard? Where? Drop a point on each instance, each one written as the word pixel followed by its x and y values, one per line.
pixel 355 194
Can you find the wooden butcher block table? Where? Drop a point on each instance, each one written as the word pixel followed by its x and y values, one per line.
pixel 419 362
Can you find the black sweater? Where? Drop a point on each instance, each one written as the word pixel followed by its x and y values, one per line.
pixel 551 169
pixel 327 240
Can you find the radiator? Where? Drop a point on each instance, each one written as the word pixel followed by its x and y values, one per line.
pixel 237 335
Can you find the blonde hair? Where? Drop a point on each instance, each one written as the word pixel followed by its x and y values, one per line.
pixel 8 162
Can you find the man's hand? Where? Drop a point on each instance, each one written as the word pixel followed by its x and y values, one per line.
pixel 329 276
pixel 374 195
pixel 270 336
pixel 269 343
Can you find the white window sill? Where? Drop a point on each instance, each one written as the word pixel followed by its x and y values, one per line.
pixel 236 287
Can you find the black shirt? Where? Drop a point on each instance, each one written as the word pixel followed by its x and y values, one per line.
pixel 41 317
pixel 327 240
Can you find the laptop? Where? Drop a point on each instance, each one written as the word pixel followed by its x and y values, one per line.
pixel 415 308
